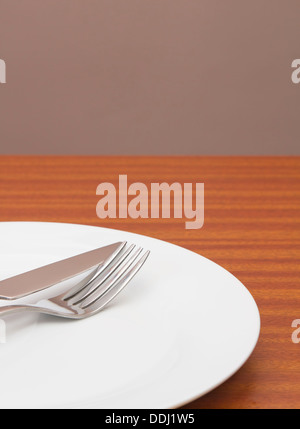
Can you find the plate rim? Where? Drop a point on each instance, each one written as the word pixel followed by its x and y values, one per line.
pixel 193 397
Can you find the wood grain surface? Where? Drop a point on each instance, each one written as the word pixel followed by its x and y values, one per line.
pixel 252 228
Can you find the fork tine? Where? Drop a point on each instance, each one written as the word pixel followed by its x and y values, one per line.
pixel 116 288
pixel 99 278
pixel 106 286
pixel 102 286
pixel 95 273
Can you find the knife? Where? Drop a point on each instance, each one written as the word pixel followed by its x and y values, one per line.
pixel 49 275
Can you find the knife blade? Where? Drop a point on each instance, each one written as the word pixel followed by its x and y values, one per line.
pixel 49 275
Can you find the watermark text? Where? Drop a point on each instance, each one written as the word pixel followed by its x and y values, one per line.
pixel 296 72
pixel 161 200
pixel 2 332
pixel 2 71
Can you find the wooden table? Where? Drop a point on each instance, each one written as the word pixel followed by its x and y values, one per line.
pixel 252 228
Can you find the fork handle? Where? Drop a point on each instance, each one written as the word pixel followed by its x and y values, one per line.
pixel 10 309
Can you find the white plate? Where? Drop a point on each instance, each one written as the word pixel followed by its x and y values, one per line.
pixel 182 327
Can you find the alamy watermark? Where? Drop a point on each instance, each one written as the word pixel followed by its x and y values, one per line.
pixel 296 332
pixel 296 73
pixel 2 332
pixel 2 71
pixel 161 200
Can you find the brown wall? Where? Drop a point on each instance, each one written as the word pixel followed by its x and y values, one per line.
pixel 149 76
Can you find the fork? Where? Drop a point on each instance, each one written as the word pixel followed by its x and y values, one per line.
pixel 94 292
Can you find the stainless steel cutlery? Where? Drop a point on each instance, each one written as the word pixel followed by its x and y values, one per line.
pixel 108 270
